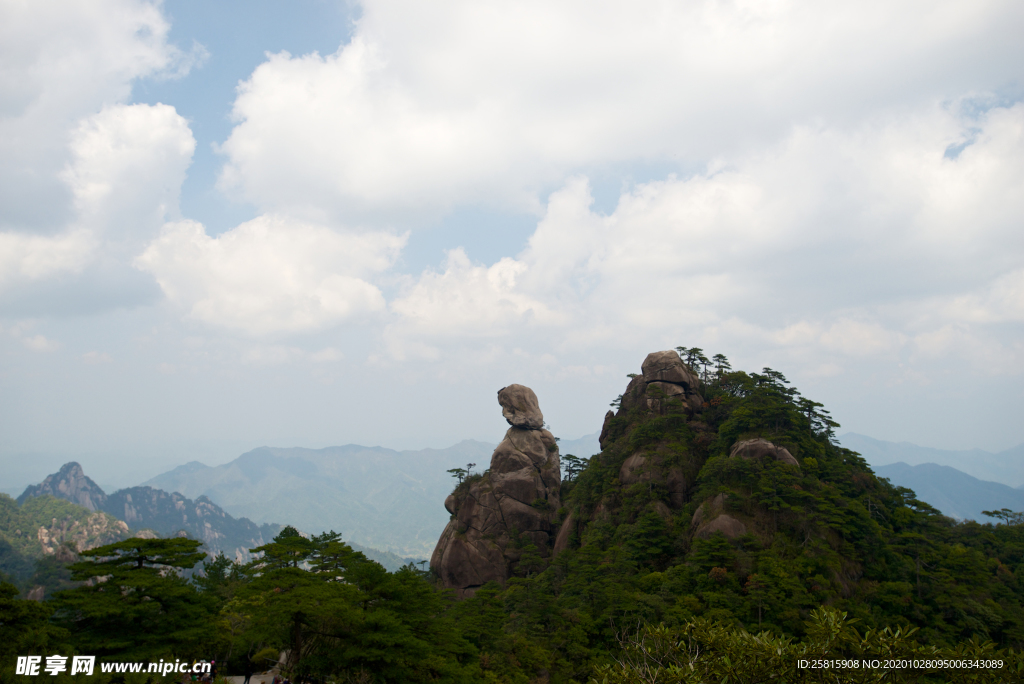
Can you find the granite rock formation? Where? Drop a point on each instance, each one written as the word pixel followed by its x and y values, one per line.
pixel 498 516
pixel 95 530
pixel 710 518
pixel 71 484
pixel 147 508
pixel 760 448
pixel 664 377
pixel 650 443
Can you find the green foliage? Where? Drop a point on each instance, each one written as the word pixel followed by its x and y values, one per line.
pixel 25 626
pixel 700 650
pixel 20 523
pixel 134 604
pixel 339 614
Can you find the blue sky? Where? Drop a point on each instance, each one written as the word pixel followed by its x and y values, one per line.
pixel 224 225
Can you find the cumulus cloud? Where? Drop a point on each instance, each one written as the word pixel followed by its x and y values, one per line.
pixel 270 275
pixel 128 163
pixel 851 242
pixel 58 65
pixel 429 106
pixel 85 179
pixel 40 343
pixel 125 172
pixel 25 258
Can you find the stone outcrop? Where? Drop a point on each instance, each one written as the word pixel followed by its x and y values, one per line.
pixel 520 407
pixel 711 518
pixel 81 534
pixel 643 467
pixel 496 516
pixel 761 448
pixel 664 378
pixel 71 484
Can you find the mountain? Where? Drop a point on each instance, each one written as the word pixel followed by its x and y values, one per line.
pixel 146 508
pixel 1006 466
pixel 376 497
pixel 69 483
pixel 584 447
pixel 43 525
pixel 953 492
pixel 739 506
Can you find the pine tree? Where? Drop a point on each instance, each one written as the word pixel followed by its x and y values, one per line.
pixel 134 604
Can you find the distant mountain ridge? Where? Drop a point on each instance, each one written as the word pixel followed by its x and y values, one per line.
pixel 1006 466
pixel 376 497
pixel 584 447
pixel 166 514
pixel 953 492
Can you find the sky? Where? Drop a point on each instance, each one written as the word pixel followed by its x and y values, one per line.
pixel 235 224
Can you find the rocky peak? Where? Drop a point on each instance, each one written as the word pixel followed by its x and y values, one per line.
pixel 664 379
pixel 520 407
pixel 69 483
pixel 506 513
pixel 143 508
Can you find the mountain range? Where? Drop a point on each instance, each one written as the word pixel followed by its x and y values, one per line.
pixel 953 492
pixel 148 508
pixel 377 497
pixel 1006 466
pixel 386 502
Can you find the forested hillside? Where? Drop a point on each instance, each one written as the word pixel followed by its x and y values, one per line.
pixel 709 516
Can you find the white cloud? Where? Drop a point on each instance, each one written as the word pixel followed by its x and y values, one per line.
pixel 1001 301
pixel 832 241
pixel 468 299
pixel 85 180
pixel 270 275
pixel 125 172
pixel 857 338
pixel 95 358
pixel 431 105
pixel 39 343
pixel 128 164
pixel 34 257
pixel 60 63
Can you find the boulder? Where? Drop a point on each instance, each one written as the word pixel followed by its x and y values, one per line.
pixel 711 518
pixel 724 523
pixel 641 467
pixel 516 497
pixel 635 469
pixel 762 448
pixel 664 381
pixel 666 366
pixel 520 407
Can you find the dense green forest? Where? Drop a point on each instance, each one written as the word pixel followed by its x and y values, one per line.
pixel 823 559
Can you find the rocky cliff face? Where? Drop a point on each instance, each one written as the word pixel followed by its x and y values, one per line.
pixel 168 514
pixel 659 438
pixel 503 519
pixel 144 508
pixel 81 534
pixel 71 484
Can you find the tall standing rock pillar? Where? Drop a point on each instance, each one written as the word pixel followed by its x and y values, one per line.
pixel 495 518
